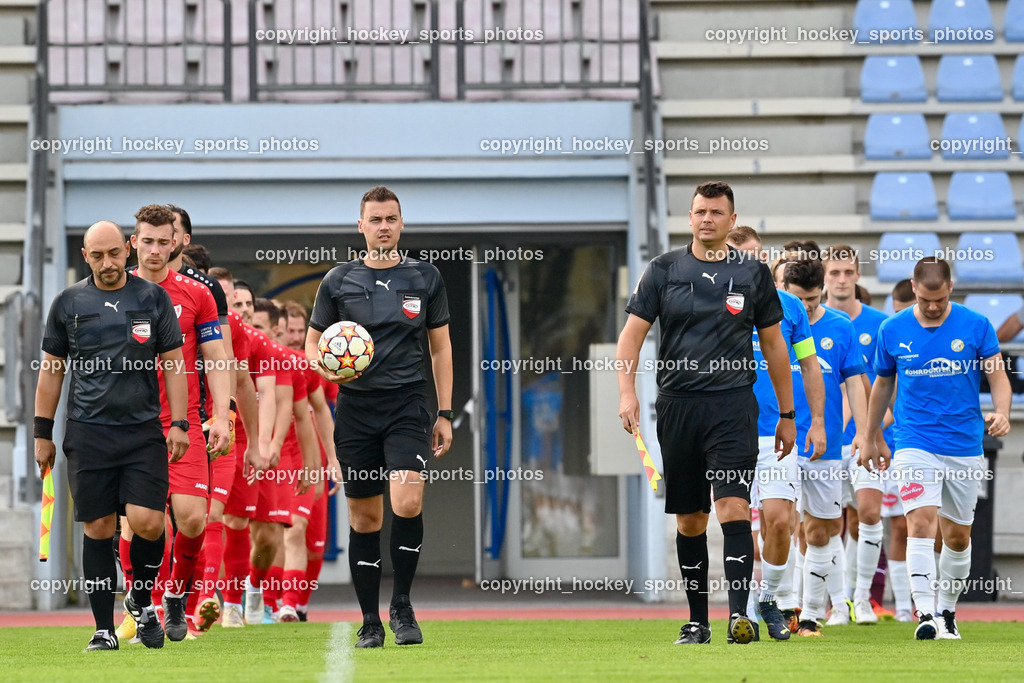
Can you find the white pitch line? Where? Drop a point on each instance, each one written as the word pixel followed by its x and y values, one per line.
pixel 338 660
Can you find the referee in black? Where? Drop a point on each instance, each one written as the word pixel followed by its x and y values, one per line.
pixel 708 296
pixel 383 423
pixel 108 330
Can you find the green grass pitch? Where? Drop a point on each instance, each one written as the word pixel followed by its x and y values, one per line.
pixel 627 650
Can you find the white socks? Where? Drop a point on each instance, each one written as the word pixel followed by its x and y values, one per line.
pixel 851 565
pixel 869 548
pixel 837 575
pixel 921 571
pixel 817 565
pixel 900 585
pixel 954 568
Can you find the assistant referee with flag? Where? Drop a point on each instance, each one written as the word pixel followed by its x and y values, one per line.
pixel 709 297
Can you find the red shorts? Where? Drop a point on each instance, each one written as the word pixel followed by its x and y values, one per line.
pixel 300 505
pixel 190 476
pixel 316 532
pixel 222 474
pixel 272 505
pixel 242 496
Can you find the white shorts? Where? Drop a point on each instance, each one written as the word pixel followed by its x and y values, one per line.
pixel 860 478
pixel 821 489
pixel 755 519
pixel 949 483
pixel 775 478
pixel 849 497
pixel 891 504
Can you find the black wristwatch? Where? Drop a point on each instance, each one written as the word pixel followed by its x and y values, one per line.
pixel 450 414
pixel 182 424
pixel 791 415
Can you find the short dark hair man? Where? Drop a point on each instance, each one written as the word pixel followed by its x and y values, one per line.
pixel 109 328
pixel 383 424
pixel 709 300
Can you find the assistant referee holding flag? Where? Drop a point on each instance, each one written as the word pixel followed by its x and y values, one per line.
pixel 109 329
pixel 709 297
pixel 383 425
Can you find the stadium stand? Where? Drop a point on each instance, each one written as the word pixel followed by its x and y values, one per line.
pixel 968 78
pixel 899 251
pixel 1017 79
pixel 1000 263
pixel 979 135
pixel 1013 21
pixel 981 196
pixel 894 16
pixel 893 79
pixel 896 136
pixel 960 21
pixel 903 196
pixel 996 307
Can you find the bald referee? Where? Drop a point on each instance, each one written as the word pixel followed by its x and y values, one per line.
pixel 709 297
pixel 108 329
pixel 383 424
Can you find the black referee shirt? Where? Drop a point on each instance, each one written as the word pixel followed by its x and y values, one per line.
pixel 395 305
pixel 111 340
pixel 221 300
pixel 707 313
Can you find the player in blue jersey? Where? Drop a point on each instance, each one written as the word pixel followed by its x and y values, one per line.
pixel 821 476
pixel 776 480
pixel 938 349
pixel 862 491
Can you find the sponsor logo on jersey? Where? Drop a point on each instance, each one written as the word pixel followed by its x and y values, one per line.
pixel 141 331
pixel 911 491
pixel 411 306
pixel 734 303
pixel 939 367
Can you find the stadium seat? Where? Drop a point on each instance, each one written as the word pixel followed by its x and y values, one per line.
pixel 979 135
pixel 610 20
pixel 968 78
pixel 888 308
pixel 960 21
pixel 550 21
pixel 903 197
pixel 980 196
pixel 1013 21
pixel 989 258
pixel 996 307
pixel 898 252
pixel 1018 79
pixel 893 79
pixel 894 17
pixel 896 136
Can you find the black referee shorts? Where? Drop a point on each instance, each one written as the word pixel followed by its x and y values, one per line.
pixel 708 444
pixel 110 466
pixel 376 433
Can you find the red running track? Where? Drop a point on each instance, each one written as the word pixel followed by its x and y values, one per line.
pixel 76 617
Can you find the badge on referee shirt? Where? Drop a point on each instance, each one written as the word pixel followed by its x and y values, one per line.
pixel 410 305
pixel 734 302
pixel 141 330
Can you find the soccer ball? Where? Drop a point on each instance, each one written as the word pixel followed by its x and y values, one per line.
pixel 346 348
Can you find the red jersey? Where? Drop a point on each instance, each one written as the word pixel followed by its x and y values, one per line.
pixel 239 349
pixel 262 363
pixel 197 317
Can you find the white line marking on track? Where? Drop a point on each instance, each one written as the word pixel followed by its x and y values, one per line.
pixel 338 665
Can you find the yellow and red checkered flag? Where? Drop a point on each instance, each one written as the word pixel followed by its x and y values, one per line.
pixel 47 516
pixel 652 472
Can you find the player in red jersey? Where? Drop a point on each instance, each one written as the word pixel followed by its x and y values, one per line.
pixel 304 540
pixel 189 477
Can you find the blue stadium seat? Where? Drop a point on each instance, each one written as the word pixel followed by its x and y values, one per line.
pixel 893 79
pixel 888 307
pixel 960 21
pixel 1013 22
pixel 996 307
pixel 1018 79
pixel 980 196
pixel 989 258
pixel 899 252
pixel 885 21
pixel 968 78
pixel 896 136
pixel 978 135
pixel 903 197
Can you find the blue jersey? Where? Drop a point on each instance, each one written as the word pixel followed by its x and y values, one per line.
pixel 797 333
pixel 839 357
pixel 866 326
pixel 939 377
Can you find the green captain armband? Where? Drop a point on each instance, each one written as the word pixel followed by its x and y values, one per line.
pixel 804 348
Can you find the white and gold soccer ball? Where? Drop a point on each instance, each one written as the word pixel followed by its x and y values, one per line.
pixel 346 348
